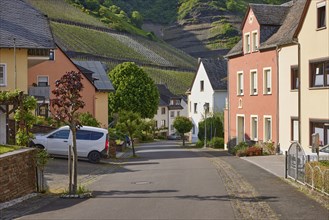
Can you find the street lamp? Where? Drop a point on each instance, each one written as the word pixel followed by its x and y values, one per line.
pixel 206 109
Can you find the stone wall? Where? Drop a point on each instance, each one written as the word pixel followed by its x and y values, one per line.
pixel 17 174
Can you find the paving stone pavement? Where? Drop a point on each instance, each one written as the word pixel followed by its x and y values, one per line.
pixel 246 202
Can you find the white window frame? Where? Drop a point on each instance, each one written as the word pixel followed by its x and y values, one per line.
pixel 53 52
pixel 252 82
pixel 247 46
pixel 251 128
pixel 240 90
pixel 255 44
pixel 264 127
pixel 265 81
pixel 237 127
pixel 4 66
pixel 320 5
pixel 172 114
pixel 42 76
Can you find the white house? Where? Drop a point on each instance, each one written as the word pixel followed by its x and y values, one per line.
pixel 170 106
pixel 208 87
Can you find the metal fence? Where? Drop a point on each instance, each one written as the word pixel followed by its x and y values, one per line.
pixel 298 168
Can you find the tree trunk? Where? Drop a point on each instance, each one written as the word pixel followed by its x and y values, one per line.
pixel 75 162
pixel 70 168
pixel 183 136
pixel 132 145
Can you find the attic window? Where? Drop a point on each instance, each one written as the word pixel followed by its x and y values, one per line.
pixel 254 41
pixel 247 43
pixel 201 85
pixel 321 15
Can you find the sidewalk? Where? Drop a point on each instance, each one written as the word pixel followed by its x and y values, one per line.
pixel 272 163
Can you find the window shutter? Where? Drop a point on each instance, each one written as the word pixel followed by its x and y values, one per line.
pixel 241 83
pixel 269 80
pixel 255 81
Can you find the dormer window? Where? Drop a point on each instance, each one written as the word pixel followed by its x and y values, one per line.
pixel 247 43
pixel 254 41
pixel 321 15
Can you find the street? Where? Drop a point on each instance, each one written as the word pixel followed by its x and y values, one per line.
pixel 170 182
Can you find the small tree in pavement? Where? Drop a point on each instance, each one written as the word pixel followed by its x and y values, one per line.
pixel 129 122
pixel 65 109
pixel 182 125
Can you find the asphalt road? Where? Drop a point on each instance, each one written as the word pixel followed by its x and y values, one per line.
pixel 165 182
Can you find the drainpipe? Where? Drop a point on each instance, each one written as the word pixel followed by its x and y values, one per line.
pixel 295 41
pixel 228 105
pixel 15 69
pixel 277 100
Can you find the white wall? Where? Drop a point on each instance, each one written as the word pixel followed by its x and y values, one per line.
pixel 216 100
pixel 288 99
pixel 159 117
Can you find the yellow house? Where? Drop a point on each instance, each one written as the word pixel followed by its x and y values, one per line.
pixel 25 40
pixel 313 38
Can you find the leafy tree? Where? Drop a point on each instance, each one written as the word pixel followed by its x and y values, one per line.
pixel 66 105
pixel 92 5
pixel 182 125
pixel 137 19
pixel 88 120
pixel 129 122
pixel 214 127
pixel 134 91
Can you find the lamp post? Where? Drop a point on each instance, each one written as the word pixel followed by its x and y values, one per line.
pixel 206 108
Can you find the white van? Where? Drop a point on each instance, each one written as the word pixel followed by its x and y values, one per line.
pixel 92 142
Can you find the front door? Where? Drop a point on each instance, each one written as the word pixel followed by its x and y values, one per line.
pixel 240 129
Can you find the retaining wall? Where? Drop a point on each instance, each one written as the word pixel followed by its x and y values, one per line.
pixel 17 174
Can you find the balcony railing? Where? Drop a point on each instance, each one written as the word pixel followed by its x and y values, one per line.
pixel 40 91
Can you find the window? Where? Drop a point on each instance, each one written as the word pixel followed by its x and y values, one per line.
pixel 254 41
pixel 294 78
pixel 3 74
pixel 172 127
pixel 43 81
pixel 294 129
pixel 195 107
pixel 253 83
pixel 322 128
pixel 321 14
pixel 240 84
pixel 163 123
pixel 254 128
pixel 52 55
pixel 163 111
pixel 267 128
pixel 319 74
pixel 267 81
pixel 172 114
pixel 201 85
pixel 178 113
pixel 62 134
pixel 247 43
pixel 83 135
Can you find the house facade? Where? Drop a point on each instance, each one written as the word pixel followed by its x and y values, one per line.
pixel 253 78
pixel 170 106
pixel 209 88
pixel 313 37
pixel 42 79
pixel 25 41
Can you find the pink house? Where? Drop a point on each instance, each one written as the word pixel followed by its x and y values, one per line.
pixel 252 111
pixel 42 77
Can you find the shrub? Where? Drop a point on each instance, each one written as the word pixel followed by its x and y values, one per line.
pixel 199 144
pixel 217 142
pixel 88 120
pixel 268 147
pixel 240 149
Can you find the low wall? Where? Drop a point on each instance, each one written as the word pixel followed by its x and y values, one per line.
pixel 17 174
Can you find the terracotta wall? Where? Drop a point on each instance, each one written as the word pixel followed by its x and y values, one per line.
pixel 17 174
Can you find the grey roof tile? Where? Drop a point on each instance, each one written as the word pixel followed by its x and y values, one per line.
pixel 28 26
pixel 99 76
pixel 216 70
pixel 269 14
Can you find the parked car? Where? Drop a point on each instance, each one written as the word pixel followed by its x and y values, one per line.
pixel 174 136
pixel 92 142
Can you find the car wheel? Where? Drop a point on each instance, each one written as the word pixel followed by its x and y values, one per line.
pixel 94 157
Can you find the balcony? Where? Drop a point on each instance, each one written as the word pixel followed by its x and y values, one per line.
pixel 36 56
pixel 40 92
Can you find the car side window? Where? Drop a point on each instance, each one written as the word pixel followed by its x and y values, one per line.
pixel 326 150
pixel 83 135
pixel 62 134
pixel 96 135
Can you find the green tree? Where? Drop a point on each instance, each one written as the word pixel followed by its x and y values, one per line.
pixel 137 19
pixel 134 91
pixel 88 120
pixel 66 104
pixel 92 5
pixel 214 127
pixel 129 122
pixel 182 125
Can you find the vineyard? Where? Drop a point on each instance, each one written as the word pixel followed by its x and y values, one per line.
pixel 60 9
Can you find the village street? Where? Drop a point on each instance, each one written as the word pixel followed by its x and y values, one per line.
pixel 171 182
